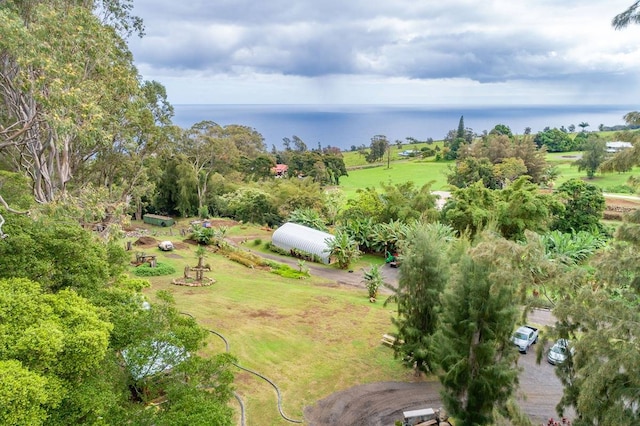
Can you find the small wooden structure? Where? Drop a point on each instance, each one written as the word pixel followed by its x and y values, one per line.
pixel 145 258
pixel 157 220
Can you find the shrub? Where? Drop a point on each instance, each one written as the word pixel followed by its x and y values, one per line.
pixel 145 270
pixel 257 242
pixel 288 272
pixel 243 260
pixel 620 189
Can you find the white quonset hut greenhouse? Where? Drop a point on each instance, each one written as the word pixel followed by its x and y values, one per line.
pixel 293 236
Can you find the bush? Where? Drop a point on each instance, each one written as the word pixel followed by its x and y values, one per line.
pixel 620 189
pixel 145 270
pixel 287 271
pixel 238 257
pixel 257 242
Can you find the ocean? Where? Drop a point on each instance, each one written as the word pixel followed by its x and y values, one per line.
pixel 344 126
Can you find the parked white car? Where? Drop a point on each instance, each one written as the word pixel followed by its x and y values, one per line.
pixel 559 352
pixel 524 337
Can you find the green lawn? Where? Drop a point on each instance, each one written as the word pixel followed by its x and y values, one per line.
pixel 308 336
pixel 609 182
pixel 424 171
pixel 416 170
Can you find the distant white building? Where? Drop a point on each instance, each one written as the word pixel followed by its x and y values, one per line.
pixel 617 146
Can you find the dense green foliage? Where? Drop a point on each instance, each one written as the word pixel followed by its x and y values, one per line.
pixel 67 314
pixel 583 207
pixel 595 153
pixel 423 275
pixel 145 270
pixel 555 140
pixel 474 348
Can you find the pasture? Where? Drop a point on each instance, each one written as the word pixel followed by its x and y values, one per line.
pixel 422 171
pixel 311 337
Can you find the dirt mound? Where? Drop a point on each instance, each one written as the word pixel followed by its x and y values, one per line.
pixel 145 242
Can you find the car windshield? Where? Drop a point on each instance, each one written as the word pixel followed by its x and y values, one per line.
pixel 559 349
pixel 521 336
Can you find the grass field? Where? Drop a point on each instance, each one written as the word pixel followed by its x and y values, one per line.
pixel 608 182
pixel 309 336
pixel 424 171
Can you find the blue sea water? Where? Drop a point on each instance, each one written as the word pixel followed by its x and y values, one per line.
pixel 344 126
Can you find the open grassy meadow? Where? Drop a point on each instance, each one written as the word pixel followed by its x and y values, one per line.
pixel 423 171
pixel 309 336
pixel 609 182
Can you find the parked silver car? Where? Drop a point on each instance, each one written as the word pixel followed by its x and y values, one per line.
pixel 559 352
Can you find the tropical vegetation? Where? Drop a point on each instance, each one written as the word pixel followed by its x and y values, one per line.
pixel 86 146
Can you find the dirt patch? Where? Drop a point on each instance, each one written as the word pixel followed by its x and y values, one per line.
pixel 145 242
pixel 616 207
pixel 180 246
pixel 373 404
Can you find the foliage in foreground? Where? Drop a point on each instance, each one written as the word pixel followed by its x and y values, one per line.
pixel 62 339
pixel 478 317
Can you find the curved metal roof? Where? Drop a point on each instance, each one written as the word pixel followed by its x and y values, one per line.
pixel 294 236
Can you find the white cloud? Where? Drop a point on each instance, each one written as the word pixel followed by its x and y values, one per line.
pixel 402 51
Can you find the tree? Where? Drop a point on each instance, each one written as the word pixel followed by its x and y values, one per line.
pixel 572 128
pixel 469 210
pixel 478 316
pixel 251 205
pixel 583 125
pixel 65 78
pixel 602 377
pixel 424 273
pixel 629 16
pixel 205 149
pixel 47 250
pixel 521 207
pixel 555 140
pixel 594 154
pixel 377 149
pixel 456 139
pixel 52 344
pixel 470 170
pixel 583 207
pixel 501 129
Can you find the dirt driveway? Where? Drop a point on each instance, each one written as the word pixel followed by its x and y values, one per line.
pixel 382 403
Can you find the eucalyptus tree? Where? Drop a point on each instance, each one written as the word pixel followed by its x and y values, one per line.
pixel 65 78
pixel 204 149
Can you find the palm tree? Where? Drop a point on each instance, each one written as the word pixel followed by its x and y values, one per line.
pixel 583 125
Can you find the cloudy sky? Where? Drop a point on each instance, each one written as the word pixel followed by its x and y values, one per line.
pixel 453 52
